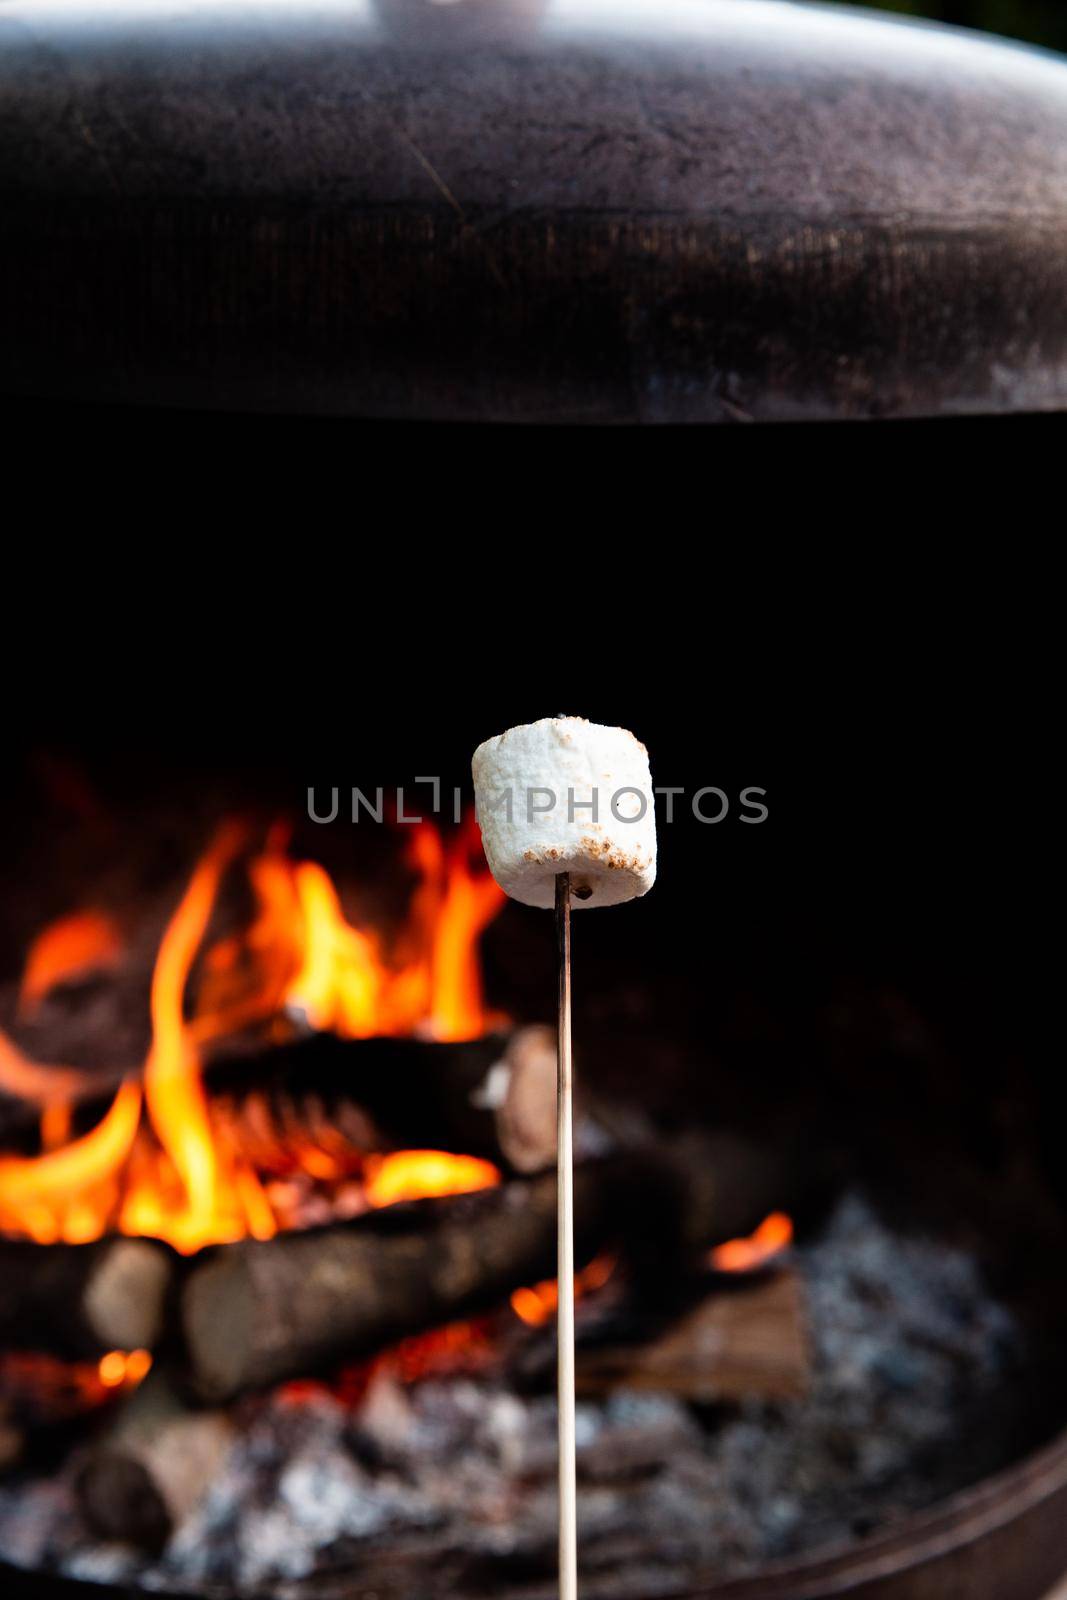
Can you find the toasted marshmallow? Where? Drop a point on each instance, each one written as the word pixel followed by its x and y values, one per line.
pixel 567 795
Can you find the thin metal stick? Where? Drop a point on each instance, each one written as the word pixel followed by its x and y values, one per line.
pixel 568 1512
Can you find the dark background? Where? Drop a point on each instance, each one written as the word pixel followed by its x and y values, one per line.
pixel 1041 21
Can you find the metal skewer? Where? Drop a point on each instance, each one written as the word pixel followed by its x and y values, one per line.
pixel 568 1514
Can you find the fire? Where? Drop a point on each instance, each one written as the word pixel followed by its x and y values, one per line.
pixel 311 962
pixel 774 1234
pixel 163 1161
pixel 535 1306
pixel 31 1080
pixel 420 1174
pixel 469 902
pixel 123 1368
pixel 77 944
pixel 56 1391
pixel 339 985
pixel 62 1194
pixel 210 1194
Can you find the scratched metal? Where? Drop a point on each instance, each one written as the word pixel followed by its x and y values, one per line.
pixel 590 210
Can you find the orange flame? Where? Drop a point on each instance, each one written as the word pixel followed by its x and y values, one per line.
pixel 311 961
pixel 539 1304
pixel 211 1204
pixel 774 1234
pixel 340 980
pixel 32 1080
pixel 123 1368
pixel 39 1195
pixel 345 983
pixel 180 1172
pixel 420 1174
pixel 60 1390
pixel 82 942
pixel 469 903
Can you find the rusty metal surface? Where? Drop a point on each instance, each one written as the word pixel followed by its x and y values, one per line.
pixel 529 209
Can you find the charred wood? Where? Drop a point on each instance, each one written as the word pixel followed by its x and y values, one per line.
pixel 81 1300
pixel 259 1312
pixel 155 1463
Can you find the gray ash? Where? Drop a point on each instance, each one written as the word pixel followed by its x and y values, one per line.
pixel 447 1486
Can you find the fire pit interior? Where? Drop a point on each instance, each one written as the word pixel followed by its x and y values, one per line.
pixel 278 1209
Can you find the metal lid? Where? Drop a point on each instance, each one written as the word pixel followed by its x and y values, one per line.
pixel 594 210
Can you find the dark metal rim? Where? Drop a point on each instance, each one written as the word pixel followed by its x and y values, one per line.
pixel 961 1521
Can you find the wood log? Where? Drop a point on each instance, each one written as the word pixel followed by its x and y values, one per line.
pixel 256 1313
pixel 81 1300
pixel 157 1460
pixel 748 1339
pixel 493 1097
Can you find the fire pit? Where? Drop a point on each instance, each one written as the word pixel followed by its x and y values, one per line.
pixel 812 1359
pixel 277 1208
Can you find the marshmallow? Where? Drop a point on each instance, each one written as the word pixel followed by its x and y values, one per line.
pixel 566 795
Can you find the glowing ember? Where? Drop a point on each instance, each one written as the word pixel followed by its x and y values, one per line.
pixel 123 1368
pixel 163 1161
pixel 56 1390
pixel 537 1305
pixel 112 1368
pixel 774 1234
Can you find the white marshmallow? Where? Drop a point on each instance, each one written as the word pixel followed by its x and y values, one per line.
pixel 533 788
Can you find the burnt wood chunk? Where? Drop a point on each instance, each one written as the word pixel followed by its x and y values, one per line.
pixel 81 1300
pixel 154 1464
pixel 493 1097
pixel 746 1340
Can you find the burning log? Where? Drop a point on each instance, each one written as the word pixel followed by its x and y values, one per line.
pixel 257 1312
pixel 81 1300
pixel 494 1097
pixel 141 1481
